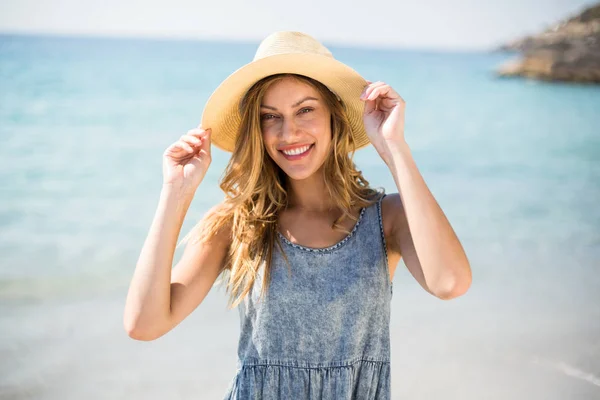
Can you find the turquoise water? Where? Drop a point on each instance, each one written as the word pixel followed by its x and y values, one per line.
pixel 514 164
pixel 84 122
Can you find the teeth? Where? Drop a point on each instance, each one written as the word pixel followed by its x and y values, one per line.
pixel 297 151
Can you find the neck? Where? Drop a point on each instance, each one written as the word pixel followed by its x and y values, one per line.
pixel 309 194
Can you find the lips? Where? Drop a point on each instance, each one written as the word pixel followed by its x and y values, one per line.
pixel 297 152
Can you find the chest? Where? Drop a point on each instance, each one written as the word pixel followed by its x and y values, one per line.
pixel 316 231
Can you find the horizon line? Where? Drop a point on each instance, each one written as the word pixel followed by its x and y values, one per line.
pixel 222 39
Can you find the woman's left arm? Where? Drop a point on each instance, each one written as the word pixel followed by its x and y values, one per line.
pixel 420 226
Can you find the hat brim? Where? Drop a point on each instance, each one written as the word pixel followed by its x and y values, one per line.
pixel 221 112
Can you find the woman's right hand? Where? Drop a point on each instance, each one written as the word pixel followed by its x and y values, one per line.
pixel 186 161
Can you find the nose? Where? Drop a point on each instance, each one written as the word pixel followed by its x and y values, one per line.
pixel 289 130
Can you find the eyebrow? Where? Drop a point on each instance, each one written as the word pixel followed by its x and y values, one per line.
pixel 293 105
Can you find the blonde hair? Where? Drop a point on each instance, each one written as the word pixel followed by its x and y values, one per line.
pixel 255 190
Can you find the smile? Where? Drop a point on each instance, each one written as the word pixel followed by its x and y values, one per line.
pixel 297 153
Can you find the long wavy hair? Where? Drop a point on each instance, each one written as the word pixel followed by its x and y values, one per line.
pixel 256 191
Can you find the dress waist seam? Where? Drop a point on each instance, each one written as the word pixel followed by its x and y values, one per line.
pixel 269 362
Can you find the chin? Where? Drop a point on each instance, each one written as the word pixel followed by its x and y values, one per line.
pixel 298 175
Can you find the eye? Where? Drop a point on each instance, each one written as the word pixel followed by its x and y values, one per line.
pixel 305 110
pixel 267 116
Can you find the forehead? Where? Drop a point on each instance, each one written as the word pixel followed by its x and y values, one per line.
pixel 290 89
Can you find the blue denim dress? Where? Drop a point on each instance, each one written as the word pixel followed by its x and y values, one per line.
pixel 323 331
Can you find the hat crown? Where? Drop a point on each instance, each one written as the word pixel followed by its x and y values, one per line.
pixel 287 42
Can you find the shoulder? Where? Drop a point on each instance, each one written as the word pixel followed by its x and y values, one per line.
pixel 390 206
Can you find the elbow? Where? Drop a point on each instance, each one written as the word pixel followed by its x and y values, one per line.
pixel 452 293
pixel 138 332
pixel 455 286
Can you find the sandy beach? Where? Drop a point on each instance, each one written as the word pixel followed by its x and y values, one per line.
pixel 465 349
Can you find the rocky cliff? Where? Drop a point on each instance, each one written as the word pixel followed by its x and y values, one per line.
pixel 567 51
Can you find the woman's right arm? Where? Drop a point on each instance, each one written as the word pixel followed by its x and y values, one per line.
pixel 160 297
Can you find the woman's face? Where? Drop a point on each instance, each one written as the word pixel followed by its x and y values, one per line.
pixel 296 127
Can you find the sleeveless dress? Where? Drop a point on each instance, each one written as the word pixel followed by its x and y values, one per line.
pixel 323 332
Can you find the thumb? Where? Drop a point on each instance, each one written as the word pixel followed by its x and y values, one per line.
pixel 206 143
pixel 369 107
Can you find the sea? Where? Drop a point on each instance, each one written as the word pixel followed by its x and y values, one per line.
pixel 513 163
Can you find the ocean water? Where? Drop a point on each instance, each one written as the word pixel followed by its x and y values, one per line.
pixel 514 164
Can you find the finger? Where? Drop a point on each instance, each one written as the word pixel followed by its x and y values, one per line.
pixel 176 151
pixel 369 89
pixel 205 147
pixel 373 94
pixel 370 106
pixel 185 146
pixel 384 91
pixel 390 93
pixel 197 132
pixel 377 83
pixel 192 140
pixel 372 85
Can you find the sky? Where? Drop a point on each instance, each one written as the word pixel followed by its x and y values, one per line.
pixel 426 24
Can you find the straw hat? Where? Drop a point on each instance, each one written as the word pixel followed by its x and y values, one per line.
pixel 284 52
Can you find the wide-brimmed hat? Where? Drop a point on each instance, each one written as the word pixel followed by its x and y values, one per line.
pixel 284 52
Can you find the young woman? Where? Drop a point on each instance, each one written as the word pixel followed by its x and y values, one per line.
pixel 307 248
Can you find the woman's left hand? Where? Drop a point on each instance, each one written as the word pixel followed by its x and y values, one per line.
pixel 383 118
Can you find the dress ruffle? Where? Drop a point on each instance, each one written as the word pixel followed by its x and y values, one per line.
pixel 271 380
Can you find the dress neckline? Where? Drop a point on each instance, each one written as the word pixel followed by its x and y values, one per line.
pixel 329 248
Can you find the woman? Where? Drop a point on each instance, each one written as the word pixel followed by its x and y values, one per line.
pixel 308 249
